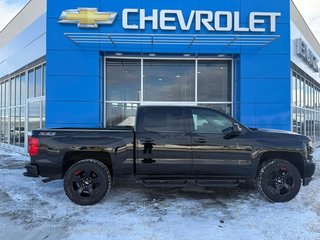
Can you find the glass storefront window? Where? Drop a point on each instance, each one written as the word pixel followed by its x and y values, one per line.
pixel 6 126
pixel 124 78
pixel 298 92
pixel 7 94
pixel 31 84
pixel 0 95
pixel 2 125
pixel 169 80
pixel 302 90
pixel 38 87
pixel 121 114
pixel 43 114
pixel 305 111
pixel 12 125
pixel 17 90
pixel 23 88
pixel 12 92
pixel 294 119
pixel 132 82
pixel 294 89
pixel 34 116
pixel 44 74
pixel 22 126
pixel 214 81
pixel 13 105
pixel 225 108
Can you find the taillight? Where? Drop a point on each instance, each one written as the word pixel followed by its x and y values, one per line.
pixel 33 146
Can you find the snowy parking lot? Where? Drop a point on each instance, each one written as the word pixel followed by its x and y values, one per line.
pixel 33 210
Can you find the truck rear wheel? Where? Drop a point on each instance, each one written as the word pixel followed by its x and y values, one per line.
pixel 278 180
pixel 87 182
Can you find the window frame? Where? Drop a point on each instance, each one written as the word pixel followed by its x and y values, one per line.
pixel 142 102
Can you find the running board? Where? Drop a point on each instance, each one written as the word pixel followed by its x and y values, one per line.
pixel 217 183
pixel 164 183
pixel 183 182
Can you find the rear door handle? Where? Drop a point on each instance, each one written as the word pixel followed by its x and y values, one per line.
pixel 146 140
pixel 200 140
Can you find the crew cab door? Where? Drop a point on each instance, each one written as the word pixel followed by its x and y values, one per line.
pixel 213 154
pixel 163 142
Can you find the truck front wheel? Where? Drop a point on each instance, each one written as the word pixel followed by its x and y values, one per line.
pixel 87 182
pixel 278 180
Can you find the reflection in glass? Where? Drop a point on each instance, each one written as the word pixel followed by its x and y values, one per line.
pixel 43 117
pixel 225 108
pixel 38 86
pixel 22 129
pixel 34 116
pixel 123 80
pixel 209 121
pixel 169 80
pixel 23 88
pixel 294 120
pixel 164 120
pixel 12 126
pixel 121 114
pixel 18 88
pixel 31 84
pixel 2 126
pixel 17 127
pixel 294 89
pixel 6 126
pixel 2 92
pixel 7 94
pixel 214 81
pixel 44 79
pixel 13 92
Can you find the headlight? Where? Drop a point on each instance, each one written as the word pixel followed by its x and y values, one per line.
pixel 309 149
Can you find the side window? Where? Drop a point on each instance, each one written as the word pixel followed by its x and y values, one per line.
pixel 163 120
pixel 206 121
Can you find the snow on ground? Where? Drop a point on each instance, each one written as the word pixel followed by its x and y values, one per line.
pixel 33 210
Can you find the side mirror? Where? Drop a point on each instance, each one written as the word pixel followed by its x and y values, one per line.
pixel 236 129
pixel 233 131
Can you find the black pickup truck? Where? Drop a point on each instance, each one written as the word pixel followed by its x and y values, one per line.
pixel 169 146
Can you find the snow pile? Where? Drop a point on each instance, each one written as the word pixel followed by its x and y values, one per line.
pixel 34 210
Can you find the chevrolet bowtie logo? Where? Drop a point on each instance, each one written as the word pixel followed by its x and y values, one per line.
pixel 87 17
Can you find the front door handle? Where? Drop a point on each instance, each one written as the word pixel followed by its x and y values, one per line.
pixel 200 140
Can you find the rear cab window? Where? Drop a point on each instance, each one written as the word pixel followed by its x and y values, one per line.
pixel 163 119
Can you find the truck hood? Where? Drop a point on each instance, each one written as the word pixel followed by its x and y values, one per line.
pixel 279 134
pixel 274 131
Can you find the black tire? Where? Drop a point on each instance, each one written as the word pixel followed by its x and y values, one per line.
pixel 87 182
pixel 278 180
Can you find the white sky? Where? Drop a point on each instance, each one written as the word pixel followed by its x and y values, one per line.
pixel 310 10
pixel 9 9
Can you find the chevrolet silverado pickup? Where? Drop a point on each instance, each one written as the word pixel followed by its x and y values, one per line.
pixel 171 146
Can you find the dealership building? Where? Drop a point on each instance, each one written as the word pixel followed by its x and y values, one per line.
pixel 90 64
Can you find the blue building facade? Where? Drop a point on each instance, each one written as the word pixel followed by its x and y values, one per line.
pixel 260 59
pixel 92 63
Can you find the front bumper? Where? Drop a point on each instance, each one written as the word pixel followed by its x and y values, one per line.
pixel 309 169
pixel 32 170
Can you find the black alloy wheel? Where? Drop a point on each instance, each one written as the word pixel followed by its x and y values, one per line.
pixel 87 182
pixel 278 180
